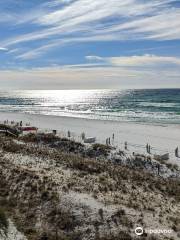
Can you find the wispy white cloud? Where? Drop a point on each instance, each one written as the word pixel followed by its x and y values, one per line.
pixel 6 17
pixel 94 58
pixel 145 60
pixel 56 23
pixel 87 77
pixel 57 2
pixel 162 26
pixel 32 54
pixel 137 61
pixel 92 20
pixel 3 49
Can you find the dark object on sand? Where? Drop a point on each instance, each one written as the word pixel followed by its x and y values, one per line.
pixel 148 148
pixel 90 140
pixel 28 129
pixel 162 157
pixel 54 132
pixel 83 136
pixel 125 145
pixel 177 152
pixel 9 131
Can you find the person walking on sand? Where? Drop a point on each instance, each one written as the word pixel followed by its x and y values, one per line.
pixel 113 139
pixel 158 168
pixel 83 136
pixel 147 147
pixel 125 145
pixel 177 152
pixel 69 134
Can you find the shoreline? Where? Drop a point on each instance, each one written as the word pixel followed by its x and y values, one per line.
pixel 177 125
pixel 34 115
pixel 162 138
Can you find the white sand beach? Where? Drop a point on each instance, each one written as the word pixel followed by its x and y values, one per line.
pixel 162 138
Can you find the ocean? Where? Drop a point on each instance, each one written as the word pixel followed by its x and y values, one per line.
pixel 145 105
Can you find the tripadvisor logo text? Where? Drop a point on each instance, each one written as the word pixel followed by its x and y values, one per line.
pixel 140 231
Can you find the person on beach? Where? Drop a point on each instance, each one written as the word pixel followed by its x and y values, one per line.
pixel 83 136
pixel 158 168
pixel 177 152
pixel 113 139
pixel 69 134
pixel 147 147
pixel 125 145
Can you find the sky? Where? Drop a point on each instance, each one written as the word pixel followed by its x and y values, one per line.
pixel 89 44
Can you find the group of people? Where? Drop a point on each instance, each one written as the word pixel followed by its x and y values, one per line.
pixel 108 140
pixel 13 123
pixel 6 122
pixel 148 149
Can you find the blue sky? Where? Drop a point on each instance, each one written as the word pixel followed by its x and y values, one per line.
pixel 64 44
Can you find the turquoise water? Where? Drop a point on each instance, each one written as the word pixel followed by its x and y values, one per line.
pixel 153 106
